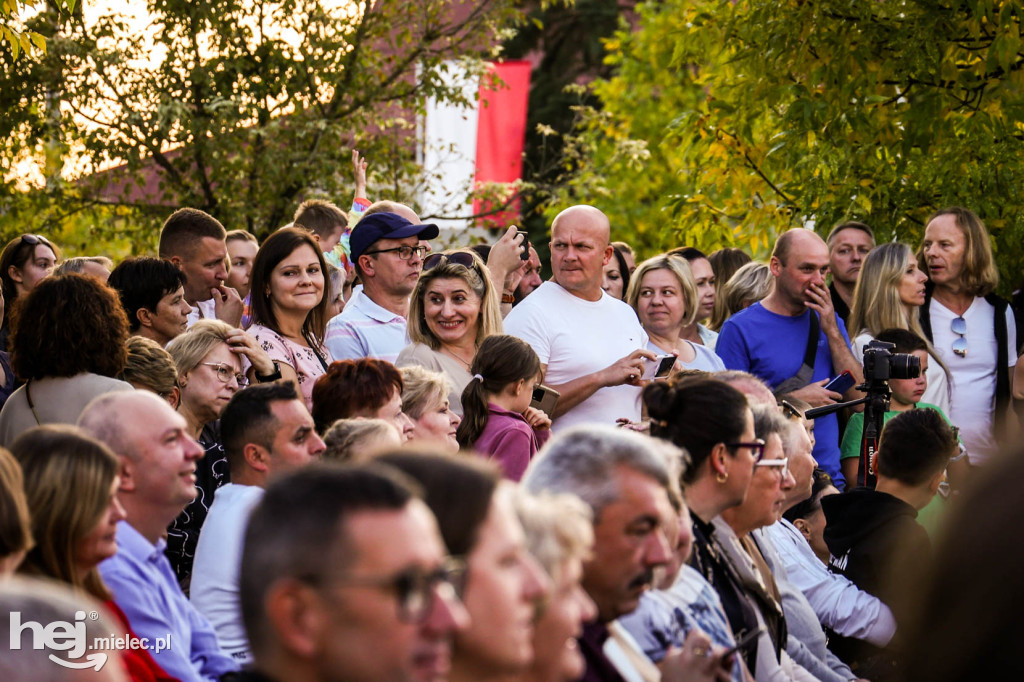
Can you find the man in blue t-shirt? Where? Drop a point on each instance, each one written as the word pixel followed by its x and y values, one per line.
pixel 769 338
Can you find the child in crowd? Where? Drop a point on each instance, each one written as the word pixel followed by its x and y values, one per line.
pixel 498 420
pixel 906 394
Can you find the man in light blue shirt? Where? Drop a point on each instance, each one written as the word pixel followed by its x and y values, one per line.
pixel 158 462
pixel 388 257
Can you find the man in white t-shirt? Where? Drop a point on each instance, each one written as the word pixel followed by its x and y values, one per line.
pixel 266 429
pixel 591 346
pixel 972 329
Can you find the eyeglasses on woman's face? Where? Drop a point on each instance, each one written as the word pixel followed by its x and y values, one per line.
pixel 756 448
pixel 225 372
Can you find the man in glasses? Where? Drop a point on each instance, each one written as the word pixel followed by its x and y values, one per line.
pixel 973 330
pixel 794 341
pixel 873 535
pixel 196 242
pixel 344 577
pixel 388 255
pixel 158 464
pixel 266 430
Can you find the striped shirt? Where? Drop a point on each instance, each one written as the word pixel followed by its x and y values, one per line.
pixel 365 329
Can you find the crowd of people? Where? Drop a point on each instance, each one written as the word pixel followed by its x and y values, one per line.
pixel 341 454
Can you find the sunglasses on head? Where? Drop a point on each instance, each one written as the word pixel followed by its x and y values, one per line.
pixel 463 258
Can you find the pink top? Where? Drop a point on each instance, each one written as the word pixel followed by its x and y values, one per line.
pixel 302 359
pixel 509 440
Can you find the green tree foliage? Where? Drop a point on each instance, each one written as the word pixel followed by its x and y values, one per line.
pixel 13 34
pixel 727 122
pixel 238 108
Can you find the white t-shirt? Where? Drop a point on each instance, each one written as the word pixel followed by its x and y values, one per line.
pixel 937 392
pixel 214 590
pixel 203 310
pixel 574 337
pixel 974 375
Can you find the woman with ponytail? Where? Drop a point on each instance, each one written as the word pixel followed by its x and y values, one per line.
pixel 498 421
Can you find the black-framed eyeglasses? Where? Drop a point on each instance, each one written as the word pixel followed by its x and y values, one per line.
pixel 404 251
pixel 959 327
pixel 415 588
pixel 756 448
pixel 225 372
pixel 463 258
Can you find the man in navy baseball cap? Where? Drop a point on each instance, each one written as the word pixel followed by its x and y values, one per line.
pixel 388 256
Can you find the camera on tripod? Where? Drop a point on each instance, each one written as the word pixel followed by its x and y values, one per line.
pixel 881 364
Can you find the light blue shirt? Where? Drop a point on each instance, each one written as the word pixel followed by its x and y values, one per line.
pixel 146 589
pixel 366 330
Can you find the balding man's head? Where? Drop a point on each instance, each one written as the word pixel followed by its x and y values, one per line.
pixel 580 249
pixel 798 237
pixel 586 216
pixel 115 418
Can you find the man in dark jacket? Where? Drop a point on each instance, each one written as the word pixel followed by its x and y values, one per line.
pixel 873 535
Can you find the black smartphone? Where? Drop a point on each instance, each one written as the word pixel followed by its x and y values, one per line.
pixel 525 255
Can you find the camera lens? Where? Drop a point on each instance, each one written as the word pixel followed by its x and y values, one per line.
pixel 904 366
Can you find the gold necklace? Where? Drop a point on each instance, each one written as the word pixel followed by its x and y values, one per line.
pixel 450 353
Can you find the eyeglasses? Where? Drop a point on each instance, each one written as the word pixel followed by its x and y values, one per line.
pixel 415 588
pixel 959 327
pixel 225 372
pixel 404 252
pixel 781 464
pixel 463 258
pixel 756 448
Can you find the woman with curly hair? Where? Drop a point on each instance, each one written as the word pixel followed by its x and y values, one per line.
pixel 67 345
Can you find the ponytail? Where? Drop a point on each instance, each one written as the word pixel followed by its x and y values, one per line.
pixel 500 361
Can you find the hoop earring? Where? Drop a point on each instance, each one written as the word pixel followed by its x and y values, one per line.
pixel 722 478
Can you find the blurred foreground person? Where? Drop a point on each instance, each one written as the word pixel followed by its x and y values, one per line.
pixel 323 599
pixel 502 581
pixel 966 625
pixel 23 601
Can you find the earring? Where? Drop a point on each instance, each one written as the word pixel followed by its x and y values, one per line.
pixel 722 477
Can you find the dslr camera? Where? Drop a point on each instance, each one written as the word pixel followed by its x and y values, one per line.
pixel 881 364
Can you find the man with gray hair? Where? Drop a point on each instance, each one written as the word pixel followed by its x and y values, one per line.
pixel 625 479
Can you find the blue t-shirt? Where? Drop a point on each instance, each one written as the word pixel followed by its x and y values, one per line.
pixel 771 347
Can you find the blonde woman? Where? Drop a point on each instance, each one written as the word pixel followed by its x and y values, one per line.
pixel 748 285
pixel 425 400
pixel 453 309
pixel 664 295
pixel 889 291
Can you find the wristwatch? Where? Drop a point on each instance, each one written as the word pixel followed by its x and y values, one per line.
pixel 267 378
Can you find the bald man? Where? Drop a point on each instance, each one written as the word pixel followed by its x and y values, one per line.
pixel 591 346
pixel 769 339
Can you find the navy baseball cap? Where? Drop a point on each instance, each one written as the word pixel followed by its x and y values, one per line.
pixel 385 226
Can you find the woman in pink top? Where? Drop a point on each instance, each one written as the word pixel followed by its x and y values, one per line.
pixel 498 420
pixel 289 308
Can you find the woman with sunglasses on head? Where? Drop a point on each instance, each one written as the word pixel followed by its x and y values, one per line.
pixel 289 303
pixel 25 261
pixel 971 329
pixel 209 361
pixel 714 423
pixel 889 293
pixel 453 309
